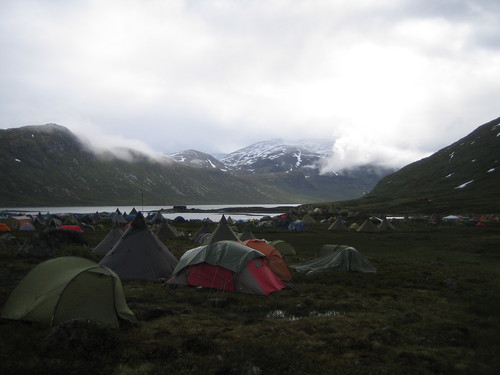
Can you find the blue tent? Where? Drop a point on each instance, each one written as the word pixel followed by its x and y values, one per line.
pixel 296 226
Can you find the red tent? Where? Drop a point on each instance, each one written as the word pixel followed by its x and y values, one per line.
pixel 4 228
pixel 75 228
pixel 226 265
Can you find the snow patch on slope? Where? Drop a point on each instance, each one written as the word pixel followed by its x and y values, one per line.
pixel 464 184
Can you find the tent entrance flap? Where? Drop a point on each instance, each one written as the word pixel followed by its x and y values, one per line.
pixel 88 296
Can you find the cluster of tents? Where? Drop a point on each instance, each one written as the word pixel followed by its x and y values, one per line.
pixel 305 219
pixel 76 288
pixel 77 222
pixel 370 225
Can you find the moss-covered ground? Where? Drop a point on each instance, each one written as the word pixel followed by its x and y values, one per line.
pixel 432 307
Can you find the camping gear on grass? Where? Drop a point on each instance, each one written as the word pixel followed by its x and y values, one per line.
pixel 335 258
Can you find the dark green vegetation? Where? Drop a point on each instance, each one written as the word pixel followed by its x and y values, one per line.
pixel 49 165
pixel 432 308
pixel 464 176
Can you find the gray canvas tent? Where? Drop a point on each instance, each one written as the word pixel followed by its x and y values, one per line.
pixel 70 219
pixel 367 227
pixel 117 218
pixel 139 254
pixel 328 248
pixel 68 288
pixel 156 218
pixel 247 234
pixel 165 230
pixel 338 226
pixel 39 219
pixel 337 258
pixel 308 219
pixel 109 241
pixel 385 226
pixel 203 238
pixel 96 218
pixel 222 233
pixel 204 229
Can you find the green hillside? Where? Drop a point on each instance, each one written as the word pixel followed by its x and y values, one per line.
pixel 464 176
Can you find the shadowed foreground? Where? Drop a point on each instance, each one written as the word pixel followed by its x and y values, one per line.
pixel 432 307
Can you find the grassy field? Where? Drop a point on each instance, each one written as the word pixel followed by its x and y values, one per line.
pixel 433 307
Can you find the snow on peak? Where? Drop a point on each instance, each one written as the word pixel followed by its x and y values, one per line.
pixel 196 159
pixel 301 151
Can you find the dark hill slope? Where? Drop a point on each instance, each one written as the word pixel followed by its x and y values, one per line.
pixel 49 165
pixel 464 176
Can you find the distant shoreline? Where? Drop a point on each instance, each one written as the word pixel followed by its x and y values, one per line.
pixel 243 209
pixel 176 209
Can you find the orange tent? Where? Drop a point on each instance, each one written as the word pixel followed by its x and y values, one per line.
pixel 4 228
pixel 276 262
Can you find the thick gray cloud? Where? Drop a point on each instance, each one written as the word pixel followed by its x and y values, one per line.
pixel 387 81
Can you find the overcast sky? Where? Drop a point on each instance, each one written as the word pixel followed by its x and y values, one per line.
pixel 387 81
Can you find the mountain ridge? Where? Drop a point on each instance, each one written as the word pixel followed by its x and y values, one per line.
pixel 49 165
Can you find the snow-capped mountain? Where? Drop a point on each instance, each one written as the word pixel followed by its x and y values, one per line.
pixel 278 156
pixel 198 159
pixel 291 166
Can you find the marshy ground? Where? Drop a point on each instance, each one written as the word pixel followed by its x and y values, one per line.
pixel 433 307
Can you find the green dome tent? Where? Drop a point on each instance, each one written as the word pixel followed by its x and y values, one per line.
pixel 68 288
pixel 283 247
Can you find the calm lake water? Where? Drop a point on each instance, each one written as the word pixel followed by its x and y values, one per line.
pixel 146 209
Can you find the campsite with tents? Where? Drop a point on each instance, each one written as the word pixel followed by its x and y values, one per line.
pixel 315 290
